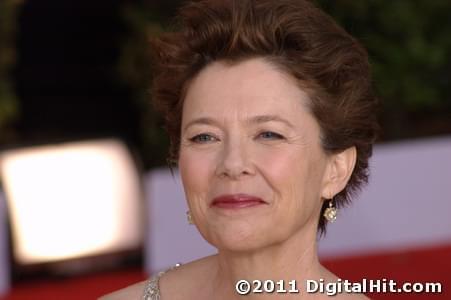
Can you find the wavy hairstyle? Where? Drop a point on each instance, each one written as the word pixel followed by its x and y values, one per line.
pixel 296 37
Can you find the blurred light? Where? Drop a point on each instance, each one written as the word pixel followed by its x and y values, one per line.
pixel 72 200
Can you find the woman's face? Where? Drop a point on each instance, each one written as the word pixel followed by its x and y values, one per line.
pixel 250 156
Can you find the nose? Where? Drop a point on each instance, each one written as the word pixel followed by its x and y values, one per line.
pixel 235 161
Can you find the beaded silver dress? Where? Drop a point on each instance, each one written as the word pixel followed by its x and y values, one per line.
pixel 152 289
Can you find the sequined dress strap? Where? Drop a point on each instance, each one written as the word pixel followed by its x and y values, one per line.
pixel 152 289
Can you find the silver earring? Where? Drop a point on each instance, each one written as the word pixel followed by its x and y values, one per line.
pixel 189 217
pixel 331 212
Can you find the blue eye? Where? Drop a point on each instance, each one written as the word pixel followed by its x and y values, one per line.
pixel 269 135
pixel 203 138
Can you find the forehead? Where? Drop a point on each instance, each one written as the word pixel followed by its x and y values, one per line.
pixel 254 85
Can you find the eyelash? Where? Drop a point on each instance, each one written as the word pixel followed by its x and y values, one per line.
pixel 275 136
pixel 197 138
pixel 201 138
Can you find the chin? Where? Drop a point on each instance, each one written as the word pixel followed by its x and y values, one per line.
pixel 238 238
pixel 238 246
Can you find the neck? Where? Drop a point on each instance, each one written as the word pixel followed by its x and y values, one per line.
pixel 293 259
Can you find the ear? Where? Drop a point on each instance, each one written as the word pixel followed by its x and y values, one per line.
pixel 338 171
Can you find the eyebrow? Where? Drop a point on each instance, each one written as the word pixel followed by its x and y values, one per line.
pixel 201 121
pixel 270 118
pixel 253 120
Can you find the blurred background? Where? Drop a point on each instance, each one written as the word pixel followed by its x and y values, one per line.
pixel 76 73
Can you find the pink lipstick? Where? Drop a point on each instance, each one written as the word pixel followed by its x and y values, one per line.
pixel 236 201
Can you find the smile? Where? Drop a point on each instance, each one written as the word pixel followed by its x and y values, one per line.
pixel 236 201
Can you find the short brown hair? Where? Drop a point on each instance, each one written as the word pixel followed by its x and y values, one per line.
pixel 296 37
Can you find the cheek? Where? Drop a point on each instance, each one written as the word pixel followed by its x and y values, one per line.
pixel 294 175
pixel 287 168
pixel 195 170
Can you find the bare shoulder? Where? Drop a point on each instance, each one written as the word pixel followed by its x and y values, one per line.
pixel 175 284
pixel 134 291
pixel 188 280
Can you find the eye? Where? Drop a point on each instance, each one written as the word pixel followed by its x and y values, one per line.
pixel 269 135
pixel 203 138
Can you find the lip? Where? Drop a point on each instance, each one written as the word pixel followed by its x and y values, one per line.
pixel 236 201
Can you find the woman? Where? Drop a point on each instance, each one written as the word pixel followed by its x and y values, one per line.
pixel 271 116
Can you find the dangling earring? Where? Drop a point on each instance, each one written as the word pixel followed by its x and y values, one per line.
pixel 189 217
pixel 331 212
